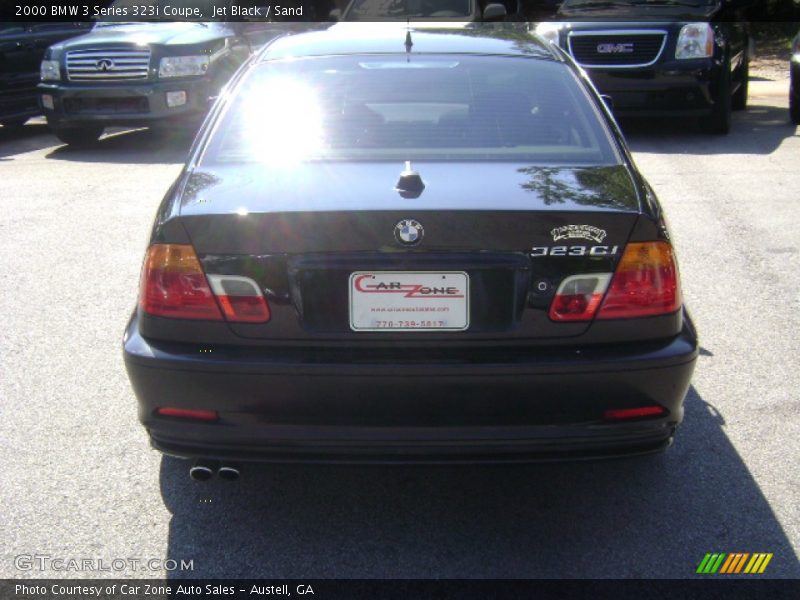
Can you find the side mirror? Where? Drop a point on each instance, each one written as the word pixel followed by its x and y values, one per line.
pixel 335 14
pixel 494 12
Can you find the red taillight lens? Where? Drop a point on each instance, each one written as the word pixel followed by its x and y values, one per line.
pixel 578 297
pixel 622 414
pixel 173 284
pixel 240 298
pixel 188 413
pixel 645 283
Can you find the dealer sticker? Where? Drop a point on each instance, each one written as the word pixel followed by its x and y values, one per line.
pixel 409 301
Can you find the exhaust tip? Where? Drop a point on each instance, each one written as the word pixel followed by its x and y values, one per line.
pixel 228 473
pixel 201 472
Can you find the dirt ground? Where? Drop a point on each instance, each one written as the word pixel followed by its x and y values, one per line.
pixel 771 60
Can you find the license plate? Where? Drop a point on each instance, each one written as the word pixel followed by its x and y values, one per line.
pixel 409 301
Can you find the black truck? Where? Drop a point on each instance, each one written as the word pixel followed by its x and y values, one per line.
pixel 666 58
pixel 22 46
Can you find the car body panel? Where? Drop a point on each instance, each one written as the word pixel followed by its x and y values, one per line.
pixel 222 189
pixel 515 385
pixel 475 406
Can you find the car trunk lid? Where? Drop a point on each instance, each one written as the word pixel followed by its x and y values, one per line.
pixel 301 233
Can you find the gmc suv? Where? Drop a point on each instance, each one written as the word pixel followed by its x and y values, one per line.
pixel 662 57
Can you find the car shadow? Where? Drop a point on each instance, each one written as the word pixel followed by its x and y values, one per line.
pixel 757 130
pixel 30 137
pixel 136 146
pixel 652 516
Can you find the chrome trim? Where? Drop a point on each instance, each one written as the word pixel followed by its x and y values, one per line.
pixel 612 32
pixel 129 64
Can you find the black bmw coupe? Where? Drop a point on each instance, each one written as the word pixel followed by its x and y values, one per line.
pixel 390 244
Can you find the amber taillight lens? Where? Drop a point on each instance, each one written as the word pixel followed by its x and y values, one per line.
pixel 174 285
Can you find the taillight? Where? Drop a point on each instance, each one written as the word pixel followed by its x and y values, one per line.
pixel 578 297
pixel 645 283
pixel 240 298
pixel 173 284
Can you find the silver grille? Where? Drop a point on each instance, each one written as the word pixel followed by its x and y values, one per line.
pixel 614 49
pixel 108 64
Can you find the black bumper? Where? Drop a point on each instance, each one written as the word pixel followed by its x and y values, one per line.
pixel 675 88
pixel 502 404
pixel 19 103
pixel 130 104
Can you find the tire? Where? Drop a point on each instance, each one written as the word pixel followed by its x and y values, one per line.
pixel 85 135
pixel 739 101
pixel 14 123
pixel 720 121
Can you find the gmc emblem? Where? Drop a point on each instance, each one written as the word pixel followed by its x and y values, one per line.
pixel 622 48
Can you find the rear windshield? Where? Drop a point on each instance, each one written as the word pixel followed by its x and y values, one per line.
pixel 376 10
pixel 420 107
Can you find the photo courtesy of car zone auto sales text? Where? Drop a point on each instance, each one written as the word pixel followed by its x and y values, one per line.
pixel 399 299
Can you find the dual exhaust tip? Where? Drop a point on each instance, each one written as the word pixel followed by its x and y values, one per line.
pixel 204 470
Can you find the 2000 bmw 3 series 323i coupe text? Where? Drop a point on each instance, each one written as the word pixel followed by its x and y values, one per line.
pixel 410 246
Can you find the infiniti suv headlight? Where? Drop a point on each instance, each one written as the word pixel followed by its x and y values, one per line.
pixel 50 70
pixel 182 66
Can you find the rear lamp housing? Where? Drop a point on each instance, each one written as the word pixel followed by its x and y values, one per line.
pixel 174 285
pixel 578 297
pixel 645 283
pixel 240 298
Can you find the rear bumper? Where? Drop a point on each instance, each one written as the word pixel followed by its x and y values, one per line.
pixel 689 88
pixel 281 405
pixel 124 104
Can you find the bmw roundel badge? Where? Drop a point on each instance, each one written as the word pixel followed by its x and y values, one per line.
pixel 408 232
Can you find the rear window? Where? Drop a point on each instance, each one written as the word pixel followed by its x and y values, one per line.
pixel 420 107
pixel 376 10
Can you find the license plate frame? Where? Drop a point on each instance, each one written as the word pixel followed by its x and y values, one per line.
pixel 408 301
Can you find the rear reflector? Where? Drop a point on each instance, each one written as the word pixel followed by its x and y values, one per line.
pixel 645 283
pixel 578 297
pixel 173 284
pixel 188 413
pixel 240 298
pixel 621 414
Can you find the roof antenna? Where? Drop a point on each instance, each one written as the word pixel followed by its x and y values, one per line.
pixel 409 43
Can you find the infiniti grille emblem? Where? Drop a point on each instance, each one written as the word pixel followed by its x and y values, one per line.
pixel 104 64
